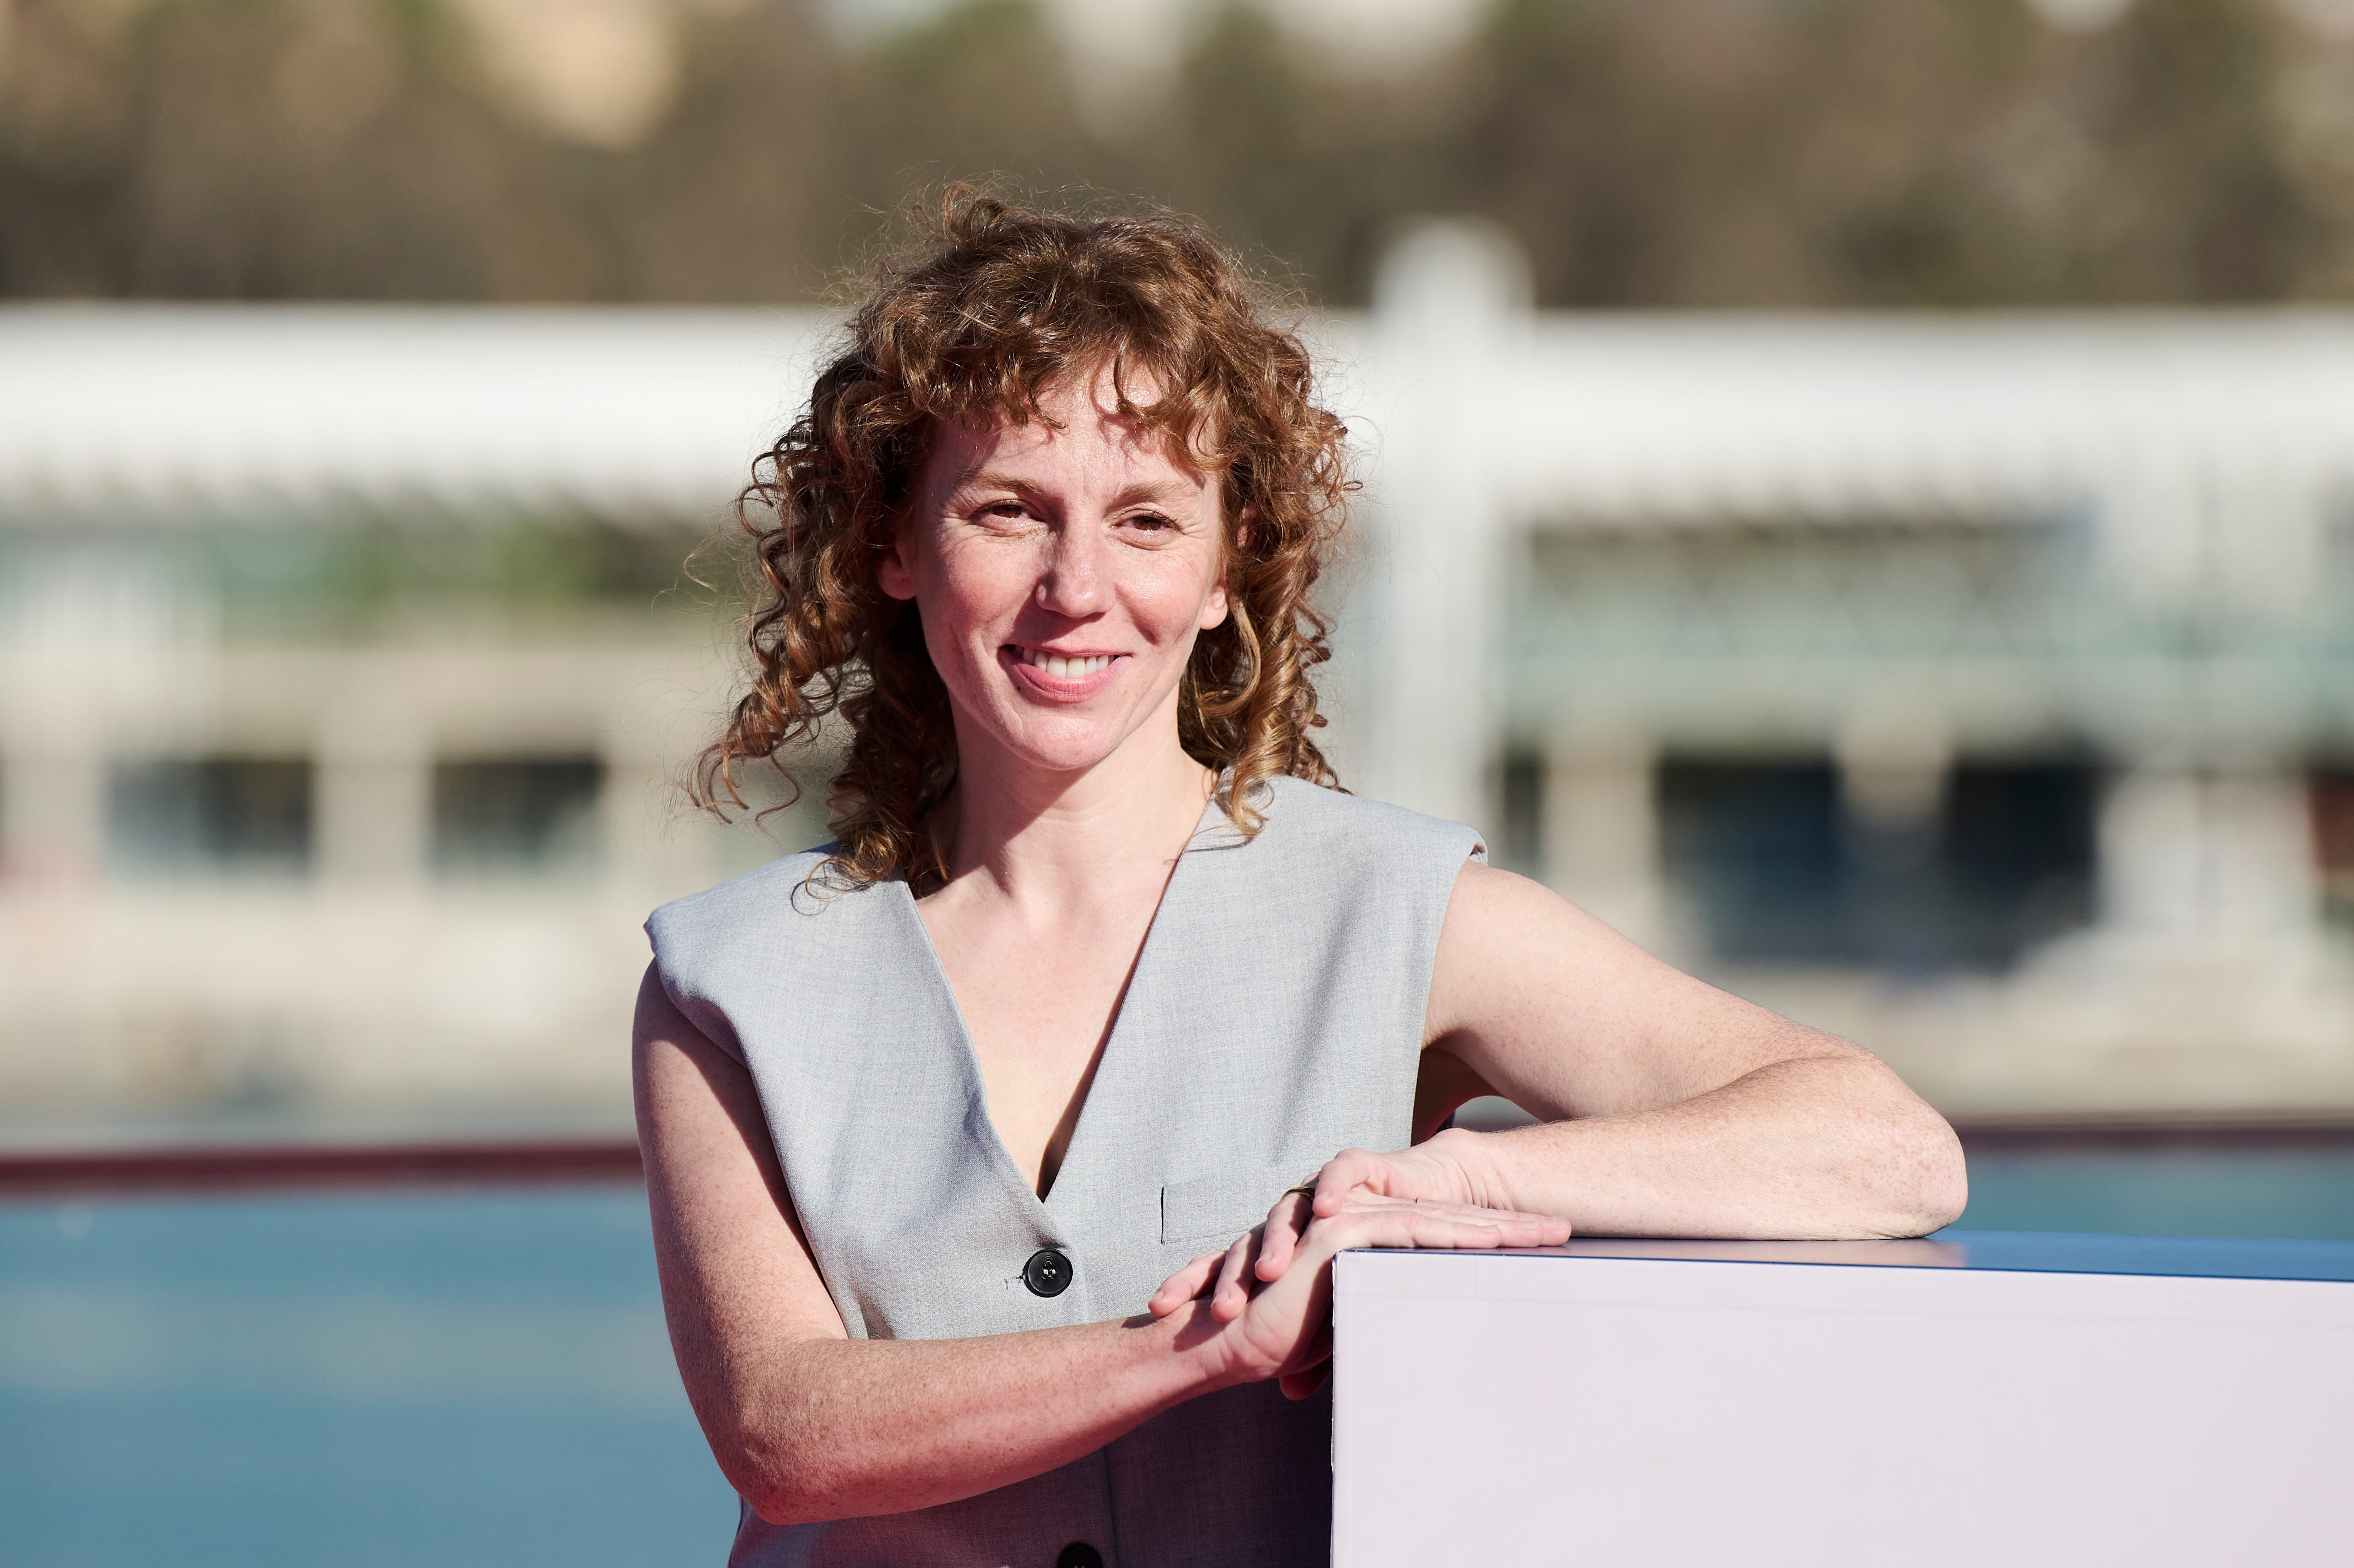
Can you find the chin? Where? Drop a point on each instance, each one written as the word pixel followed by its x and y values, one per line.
pixel 1063 742
pixel 1066 753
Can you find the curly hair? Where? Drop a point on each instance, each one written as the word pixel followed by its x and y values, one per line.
pixel 995 305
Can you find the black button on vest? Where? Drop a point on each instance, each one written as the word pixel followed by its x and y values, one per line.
pixel 1080 1554
pixel 1048 1273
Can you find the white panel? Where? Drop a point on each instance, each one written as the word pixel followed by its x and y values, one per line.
pixel 1606 1411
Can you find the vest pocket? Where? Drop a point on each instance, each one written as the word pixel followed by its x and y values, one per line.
pixel 1221 1207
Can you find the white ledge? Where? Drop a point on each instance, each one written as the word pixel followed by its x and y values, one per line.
pixel 1973 1399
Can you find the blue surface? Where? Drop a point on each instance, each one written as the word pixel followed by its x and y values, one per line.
pixel 2230 1258
pixel 2030 1252
pixel 2303 1192
pixel 451 1378
pixel 457 1377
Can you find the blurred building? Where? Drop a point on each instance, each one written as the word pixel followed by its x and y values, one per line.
pixel 1974 685
pixel 349 658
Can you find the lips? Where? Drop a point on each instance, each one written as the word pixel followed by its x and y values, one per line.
pixel 1063 677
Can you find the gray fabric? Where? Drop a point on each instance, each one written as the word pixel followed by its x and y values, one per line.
pixel 1275 1017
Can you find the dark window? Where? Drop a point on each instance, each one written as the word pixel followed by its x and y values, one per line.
pixel 2332 794
pixel 212 813
pixel 2017 855
pixel 1521 794
pixel 1756 848
pixel 514 812
pixel 1779 873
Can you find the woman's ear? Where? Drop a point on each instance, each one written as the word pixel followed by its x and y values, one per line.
pixel 1213 608
pixel 893 574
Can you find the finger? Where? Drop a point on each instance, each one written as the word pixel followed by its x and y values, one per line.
pixel 1304 1384
pixel 1406 1227
pixel 1343 1174
pixel 1520 1217
pixel 1367 1198
pixel 1285 1222
pixel 1509 1229
pixel 1491 1232
pixel 1227 1301
pixel 1188 1282
pixel 1313 1353
pixel 1307 1371
pixel 1521 1228
pixel 1486 1228
pixel 1436 1231
pixel 1185 1284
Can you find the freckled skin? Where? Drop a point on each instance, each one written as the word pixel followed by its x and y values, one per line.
pixel 1091 537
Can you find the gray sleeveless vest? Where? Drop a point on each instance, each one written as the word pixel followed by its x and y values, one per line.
pixel 1275 1017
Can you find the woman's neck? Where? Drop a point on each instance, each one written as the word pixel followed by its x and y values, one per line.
pixel 1040 839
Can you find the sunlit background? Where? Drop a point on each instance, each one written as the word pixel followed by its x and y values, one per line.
pixel 1860 494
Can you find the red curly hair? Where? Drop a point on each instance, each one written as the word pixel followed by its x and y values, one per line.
pixel 993 306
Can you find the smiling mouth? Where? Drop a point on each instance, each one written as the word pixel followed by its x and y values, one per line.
pixel 1064 667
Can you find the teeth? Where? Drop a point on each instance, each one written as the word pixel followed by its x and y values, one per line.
pixel 1064 669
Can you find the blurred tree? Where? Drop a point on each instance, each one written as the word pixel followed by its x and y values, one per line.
pixel 2187 193
pixel 1273 155
pixel 241 148
pixel 728 199
pixel 1940 152
pixel 983 90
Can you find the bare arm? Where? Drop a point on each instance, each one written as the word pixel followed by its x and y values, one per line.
pixel 1670 1108
pixel 808 1423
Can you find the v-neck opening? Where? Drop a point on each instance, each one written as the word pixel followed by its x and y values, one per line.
pixel 977 1083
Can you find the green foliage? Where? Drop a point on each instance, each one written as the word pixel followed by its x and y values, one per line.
pixel 1938 153
pixel 356 577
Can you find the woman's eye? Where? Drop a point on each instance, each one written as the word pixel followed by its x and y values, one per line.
pixel 1005 509
pixel 1152 521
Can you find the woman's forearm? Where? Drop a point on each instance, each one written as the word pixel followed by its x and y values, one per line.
pixel 1686 1111
pixel 810 1423
pixel 1827 1145
pixel 833 1428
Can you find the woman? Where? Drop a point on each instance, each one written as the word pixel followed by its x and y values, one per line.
pixel 1103 971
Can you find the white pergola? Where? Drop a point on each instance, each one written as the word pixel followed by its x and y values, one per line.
pixel 2205 455
pixel 2210 450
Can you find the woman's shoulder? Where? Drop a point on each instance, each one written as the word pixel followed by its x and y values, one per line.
pixel 1331 828
pixel 755 908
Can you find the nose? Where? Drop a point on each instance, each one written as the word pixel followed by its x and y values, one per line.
pixel 1075 584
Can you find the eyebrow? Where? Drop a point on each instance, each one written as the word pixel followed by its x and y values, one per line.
pixel 1148 490
pixel 987 480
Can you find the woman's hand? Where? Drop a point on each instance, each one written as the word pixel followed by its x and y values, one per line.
pixel 1433 1171
pixel 1273 1286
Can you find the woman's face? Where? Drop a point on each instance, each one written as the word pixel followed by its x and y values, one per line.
pixel 1062 572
